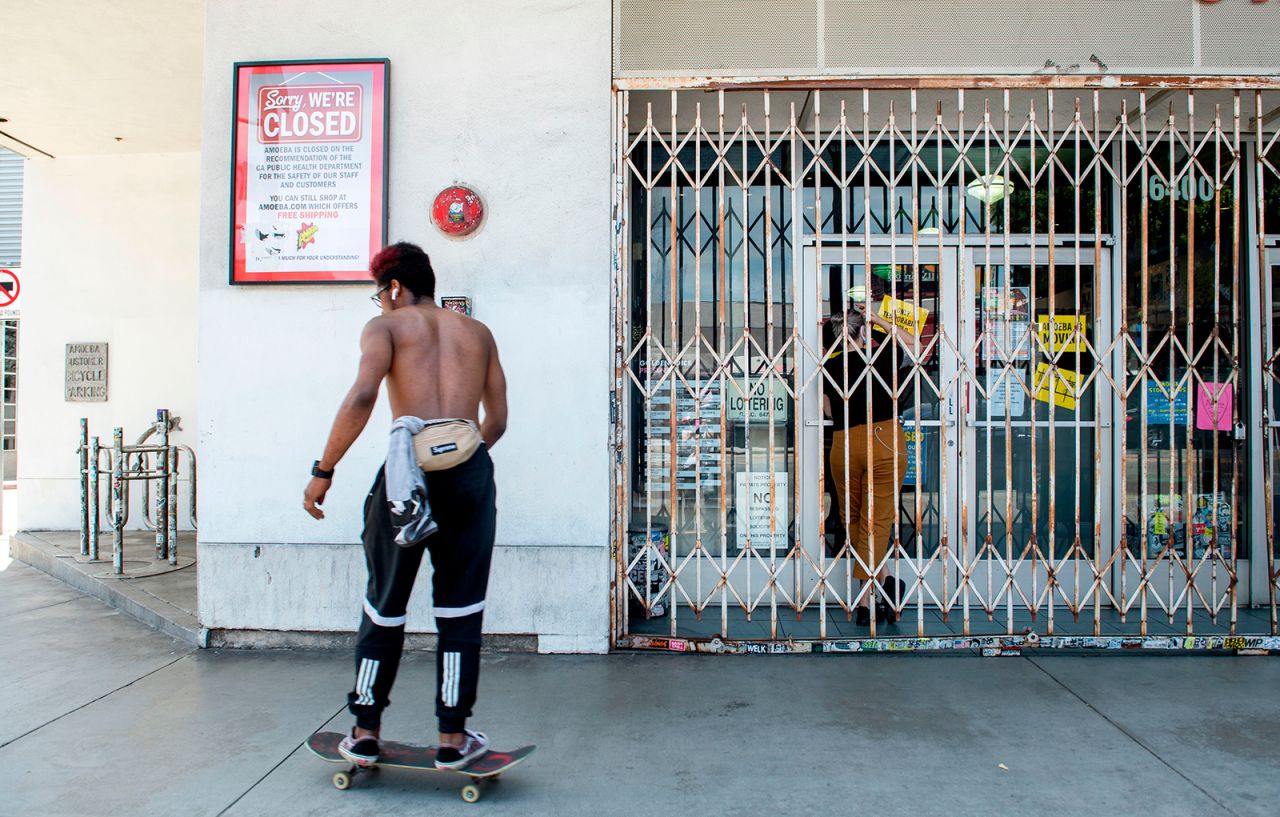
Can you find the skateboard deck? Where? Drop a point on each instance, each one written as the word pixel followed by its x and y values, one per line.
pixel 483 769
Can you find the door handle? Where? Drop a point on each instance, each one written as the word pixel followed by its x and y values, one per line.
pixel 816 423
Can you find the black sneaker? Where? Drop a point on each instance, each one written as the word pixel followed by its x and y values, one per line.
pixel 473 746
pixel 360 751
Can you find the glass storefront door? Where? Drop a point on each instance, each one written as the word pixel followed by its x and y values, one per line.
pixel 921 293
pixel 1039 409
pixel 1008 411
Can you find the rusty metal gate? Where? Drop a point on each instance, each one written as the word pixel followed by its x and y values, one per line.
pixel 1075 280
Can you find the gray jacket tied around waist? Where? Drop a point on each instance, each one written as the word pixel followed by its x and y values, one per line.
pixel 406 486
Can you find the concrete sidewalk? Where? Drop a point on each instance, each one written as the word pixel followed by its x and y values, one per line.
pixel 102 715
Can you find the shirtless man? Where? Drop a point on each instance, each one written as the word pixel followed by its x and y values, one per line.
pixel 438 364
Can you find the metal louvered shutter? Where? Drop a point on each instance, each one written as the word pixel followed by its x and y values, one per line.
pixel 797 38
pixel 11 166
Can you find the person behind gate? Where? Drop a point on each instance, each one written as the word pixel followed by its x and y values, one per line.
pixel 868 449
pixel 434 493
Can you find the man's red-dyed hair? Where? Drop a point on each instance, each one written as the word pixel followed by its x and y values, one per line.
pixel 406 263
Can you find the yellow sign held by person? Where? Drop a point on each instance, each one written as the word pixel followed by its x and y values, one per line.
pixel 1063 383
pixel 1069 332
pixel 903 314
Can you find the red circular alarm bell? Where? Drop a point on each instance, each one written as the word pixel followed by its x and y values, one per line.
pixel 457 211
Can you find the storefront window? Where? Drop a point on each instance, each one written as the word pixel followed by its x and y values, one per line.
pixel 1071 291
pixel 870 206
pixel 718 397
pixel 1183 456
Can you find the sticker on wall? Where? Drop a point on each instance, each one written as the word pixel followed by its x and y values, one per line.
pixel 1064 383
pixel 904 314
pixel 1069 333
pixel 456 303
pixel 457 211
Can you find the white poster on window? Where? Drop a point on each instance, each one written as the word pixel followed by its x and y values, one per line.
pixel 1006 394
pixel 762 509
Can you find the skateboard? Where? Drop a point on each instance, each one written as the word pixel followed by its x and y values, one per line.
pixel 482 770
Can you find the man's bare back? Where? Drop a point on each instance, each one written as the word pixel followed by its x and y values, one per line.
pixel 438 364
pixel 441 363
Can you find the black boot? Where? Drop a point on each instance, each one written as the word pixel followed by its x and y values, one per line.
pixel 887 606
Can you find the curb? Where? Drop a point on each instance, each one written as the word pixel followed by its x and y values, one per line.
pixel 30 549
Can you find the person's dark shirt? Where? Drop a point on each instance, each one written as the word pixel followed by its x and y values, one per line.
pixel 882 407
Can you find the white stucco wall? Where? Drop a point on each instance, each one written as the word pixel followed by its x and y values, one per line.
pixel 514 100
pixel 109 254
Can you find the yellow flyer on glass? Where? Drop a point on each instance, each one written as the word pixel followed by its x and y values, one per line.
pixel 1065 383
pixel 903 314
pixel 1069 332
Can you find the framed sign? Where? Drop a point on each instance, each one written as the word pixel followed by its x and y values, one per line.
pixel 308 170
pixel 86 373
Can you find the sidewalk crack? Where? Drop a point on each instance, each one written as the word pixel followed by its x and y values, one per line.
pixel 50 604
pixel 95 700
pixel 280 762
pixel 1134 738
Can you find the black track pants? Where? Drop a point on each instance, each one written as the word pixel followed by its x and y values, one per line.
pixel 463 503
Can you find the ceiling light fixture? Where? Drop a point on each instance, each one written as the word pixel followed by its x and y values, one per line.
pixel 989 189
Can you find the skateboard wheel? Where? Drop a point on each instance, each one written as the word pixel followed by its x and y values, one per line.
pixel 341 781
pixel 471 792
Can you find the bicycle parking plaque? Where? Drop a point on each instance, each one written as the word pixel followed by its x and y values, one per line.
pixel 86 373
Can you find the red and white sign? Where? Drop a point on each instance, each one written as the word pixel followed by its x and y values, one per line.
pixel 309 186
pixel 308 113
pixel 10 286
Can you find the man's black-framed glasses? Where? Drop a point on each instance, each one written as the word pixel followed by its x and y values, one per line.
pixel 377 296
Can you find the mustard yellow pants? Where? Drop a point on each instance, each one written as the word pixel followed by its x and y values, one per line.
pixel 873 475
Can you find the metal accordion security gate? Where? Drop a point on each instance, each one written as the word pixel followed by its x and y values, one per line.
pixel 1064 285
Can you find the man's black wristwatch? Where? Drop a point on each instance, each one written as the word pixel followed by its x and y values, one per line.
pixel 317 471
